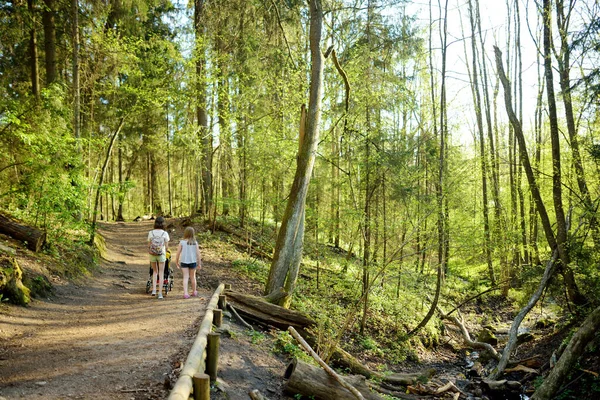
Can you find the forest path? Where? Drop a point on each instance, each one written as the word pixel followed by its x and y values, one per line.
pixel 102 337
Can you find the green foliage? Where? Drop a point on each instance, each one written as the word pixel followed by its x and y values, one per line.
pixel 74 261
pixel 256 337
pixel 371 346
pixel 39 285
pixel 254 268
pixel 286 344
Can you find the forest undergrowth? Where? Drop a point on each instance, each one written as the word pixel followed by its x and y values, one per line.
pixel 329 290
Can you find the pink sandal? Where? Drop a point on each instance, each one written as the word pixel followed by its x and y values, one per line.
pixel 186 296
pixel 195 294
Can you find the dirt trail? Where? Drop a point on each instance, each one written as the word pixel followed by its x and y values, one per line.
pixel 103 338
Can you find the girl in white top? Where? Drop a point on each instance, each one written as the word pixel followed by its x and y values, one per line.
pixel 188 252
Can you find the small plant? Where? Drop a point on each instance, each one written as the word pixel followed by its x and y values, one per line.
pixel 253 268
pixel 368 343
pixel 286 344
pixel 298 396
pixel 256 337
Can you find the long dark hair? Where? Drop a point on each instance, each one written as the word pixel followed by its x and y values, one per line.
pixel 159 223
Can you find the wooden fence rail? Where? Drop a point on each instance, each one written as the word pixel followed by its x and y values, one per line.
pixel 195 363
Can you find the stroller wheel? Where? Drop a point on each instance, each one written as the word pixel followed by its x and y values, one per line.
pixel 148 286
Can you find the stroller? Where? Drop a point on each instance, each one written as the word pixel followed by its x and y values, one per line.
pixel 167 279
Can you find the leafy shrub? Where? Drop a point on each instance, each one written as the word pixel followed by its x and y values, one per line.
pixel 255 269
pixel 286 344
pixel 256 337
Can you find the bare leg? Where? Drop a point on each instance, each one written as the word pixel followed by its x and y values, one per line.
pixel 194 281
pixel 186 275
pixel 154 266
pixel 161 274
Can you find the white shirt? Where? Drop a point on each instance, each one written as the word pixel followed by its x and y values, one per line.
pixel 188 252
pixel 159 233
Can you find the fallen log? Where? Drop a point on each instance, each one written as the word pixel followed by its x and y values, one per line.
pixel 256 395
pixel 344 360
pixel 522 368
pixel 565 364
pixel 467 338
pixel 501 385
pixel 394 393
pixel 448 387
pixel 309 381
pixel 34 237
pixel 257 309
pixel 233 310
pixel 406 379
pixel 323 365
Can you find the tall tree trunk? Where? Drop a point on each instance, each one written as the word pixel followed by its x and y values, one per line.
pixel 201 115
pixel 121 195
pixel 33 53
pixel 76 90
pixel 337 147
pixel 156 203
pixel 288 249
pixel 537 161
pixel 564 65
pixel 101 179
pixel 49 40
pixel 224 128
pixel 483 156
pixel 524 253
pixel 369 187
pixel 442 251
pixel 516 124
pixel 242 124
pixel 573 292
pixel 123 182
pixel 366 230
pixel 494 164
pixel 169 183
pixel 149 205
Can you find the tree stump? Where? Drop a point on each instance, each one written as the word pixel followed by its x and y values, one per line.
pixel 11 286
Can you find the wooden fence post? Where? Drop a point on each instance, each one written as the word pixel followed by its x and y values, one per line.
pixel 212 355
pixel 217 317
pixel 201 387
pixel 222 304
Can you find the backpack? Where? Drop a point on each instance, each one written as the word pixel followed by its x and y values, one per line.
pixel 156 245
